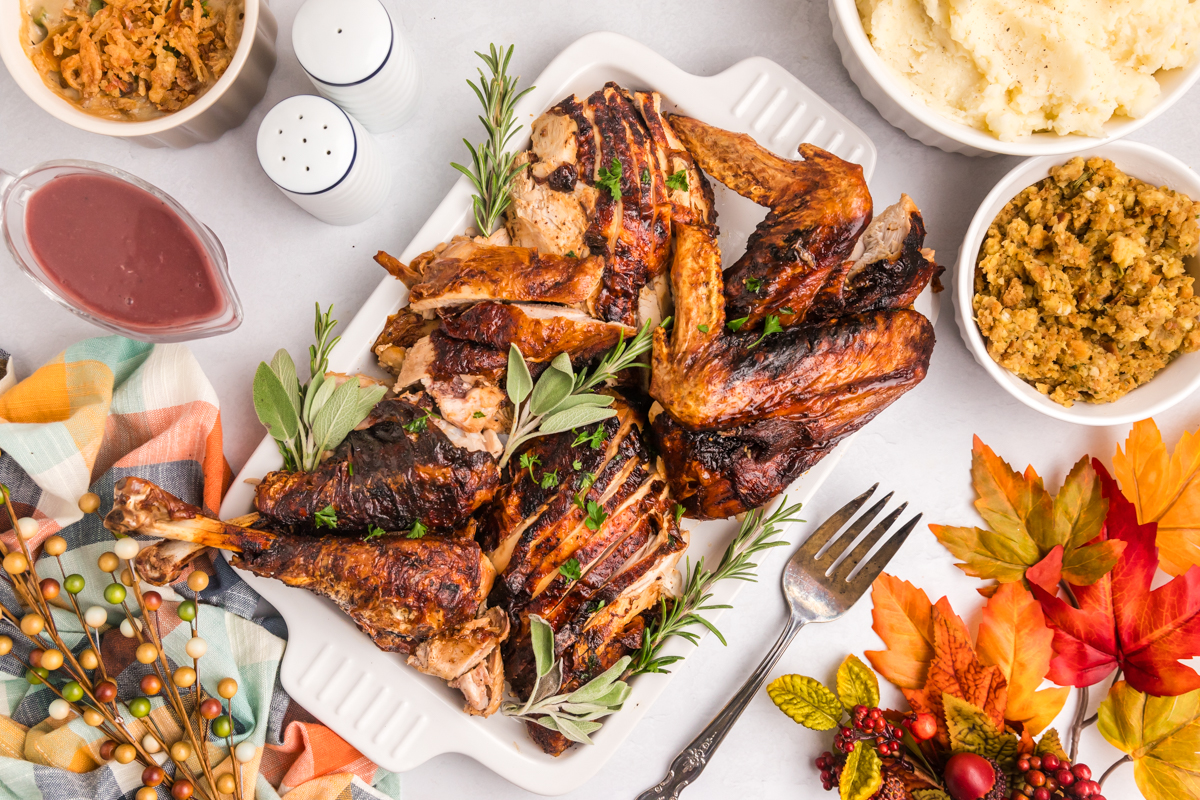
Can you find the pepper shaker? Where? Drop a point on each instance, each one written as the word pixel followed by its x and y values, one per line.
pixel 356 56
pixel 323 160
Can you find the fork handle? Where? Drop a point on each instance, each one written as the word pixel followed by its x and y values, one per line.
pixel 688 765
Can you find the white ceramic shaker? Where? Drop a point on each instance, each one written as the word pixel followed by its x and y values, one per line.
pixel 357 57
pixel 323 160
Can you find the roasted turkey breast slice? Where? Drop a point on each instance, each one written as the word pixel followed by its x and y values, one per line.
pixel 819 207
pixel 473 272
pixel 540 331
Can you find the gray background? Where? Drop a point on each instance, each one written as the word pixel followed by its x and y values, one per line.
pixel 282 260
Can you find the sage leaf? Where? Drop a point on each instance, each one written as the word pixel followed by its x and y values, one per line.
pixel 600 684
pixel 551 389
pixel 274 406
pixel 337 417
pixel 577 400
pixel 319 392
pixel 285 369
pixel 519 383
pixel 576 731
pixel 542 638
pixel 367 400
pixel 574 418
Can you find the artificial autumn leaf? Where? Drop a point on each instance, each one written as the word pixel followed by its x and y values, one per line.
pixel 857 684
pixel 862 776
pixel 1120 622
pixel 1013 636
pixel 903 617
pixel 1047 572
pixel 971 731
pixel 956 670
pixel 1164 489
pixel 1161 734
pixel 1026 523
pixel 806 701
pixel 1050 743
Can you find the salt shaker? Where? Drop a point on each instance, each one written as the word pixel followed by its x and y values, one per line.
pixel 356 56
pixel 323 160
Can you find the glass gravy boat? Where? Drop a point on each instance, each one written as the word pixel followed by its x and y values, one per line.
pixel 16 192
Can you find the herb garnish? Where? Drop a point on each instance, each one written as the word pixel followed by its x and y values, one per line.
pixel 788 310
pixel 492 171
pixel 702 328
pixel 419 424
pixel 550 479
pixel 678 511
pixel 610 179
pixel 577 464
pixel 478 415
pixel 593 439
pixel 562 400
pixel 305 421
pixel 570 569
pixel 681 613
pixel 417 530
pixel 678 181
pixel 325 518
pixel 529 461
pixel 645 175
pixel 571 254
pixel 373 532
pixel 736 324
pixel 595 516
pixel 573 715
pixel 752 284
pixel 772 326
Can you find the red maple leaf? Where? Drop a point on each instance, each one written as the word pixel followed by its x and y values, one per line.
pixel 1120 622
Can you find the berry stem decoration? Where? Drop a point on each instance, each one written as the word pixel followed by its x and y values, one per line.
pixel 81 680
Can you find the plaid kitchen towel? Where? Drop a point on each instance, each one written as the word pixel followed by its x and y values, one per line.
pixel 104 409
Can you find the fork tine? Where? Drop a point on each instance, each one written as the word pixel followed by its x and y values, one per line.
pixel 872 568
pixel 843 542
pixel 852 560
pixel 813 544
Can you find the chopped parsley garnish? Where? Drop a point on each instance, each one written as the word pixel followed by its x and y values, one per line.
pixel 645 175
pixel 478 415
pixel 326 518
pixel 571 254
pixel 577 464
pixel 595 438
pixel 570 570
pixel 420 424
pixel 529 461
pixel 595 516
pixel 418 530
pixel 589 478
pixel 752 284
pixel 788 310
pixel 736 324
pixel 611 179
pixel 678 181
pixel 702 328
pixel 772 326
pixel 550 479
pixel 373 532
pixel 350 468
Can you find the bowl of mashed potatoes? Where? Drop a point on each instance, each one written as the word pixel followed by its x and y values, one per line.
pixel 1075 287
pixel 1021 77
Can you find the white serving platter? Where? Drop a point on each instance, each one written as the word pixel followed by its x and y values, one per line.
pixel 392 714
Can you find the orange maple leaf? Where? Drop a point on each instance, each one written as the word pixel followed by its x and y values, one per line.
pixel 1014 637
pixel 1164 489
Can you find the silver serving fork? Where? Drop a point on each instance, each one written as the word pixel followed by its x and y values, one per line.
pixel 812 596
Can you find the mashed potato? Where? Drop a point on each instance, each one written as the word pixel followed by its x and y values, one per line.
pixel 1013 67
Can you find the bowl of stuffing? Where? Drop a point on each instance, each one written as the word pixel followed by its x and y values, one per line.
pixel 1022 77
pixel 1075 284
pixel 164 73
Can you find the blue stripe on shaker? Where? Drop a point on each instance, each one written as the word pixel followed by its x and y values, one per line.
pixel 382 64
pixel 353 157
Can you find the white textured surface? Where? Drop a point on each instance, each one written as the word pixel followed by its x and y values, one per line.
pixel 341 41
pixel 283 261
pixel 306 144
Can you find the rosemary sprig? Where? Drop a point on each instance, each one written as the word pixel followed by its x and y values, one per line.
pixel 492 171
pixel 562 400
pixel 678 616
pixel 574 715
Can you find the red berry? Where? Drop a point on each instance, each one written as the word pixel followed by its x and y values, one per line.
pixel 848 747
pixel 1041 793
pixel 860 711
pixel 1082 772
pixel 1050 761
pixel 924 727
pixel 1097 797
pixel 106 749
pixel 1035 762
pixel 1023 765
pixel 969 777
pixel 211 708
pixel 1028 790
pixel 1035 778
pixel 1083 788
pixel 826 776
pixel 1064 777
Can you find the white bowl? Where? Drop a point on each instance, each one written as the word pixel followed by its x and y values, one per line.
pixel 223 107
pixel 1178 380
pixel 891 96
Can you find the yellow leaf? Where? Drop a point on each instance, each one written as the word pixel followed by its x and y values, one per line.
pixel 1161 734
pixel 1013 636
pixel 863 774
pixel 903 618
pixel 1164 489
pixel 806 701
pixel 857 684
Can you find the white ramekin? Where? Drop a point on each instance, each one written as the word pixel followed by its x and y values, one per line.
pixel 887 91
pixel 223 107
pixel 1180 378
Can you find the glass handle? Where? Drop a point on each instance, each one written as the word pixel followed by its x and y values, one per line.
pixel 7 179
